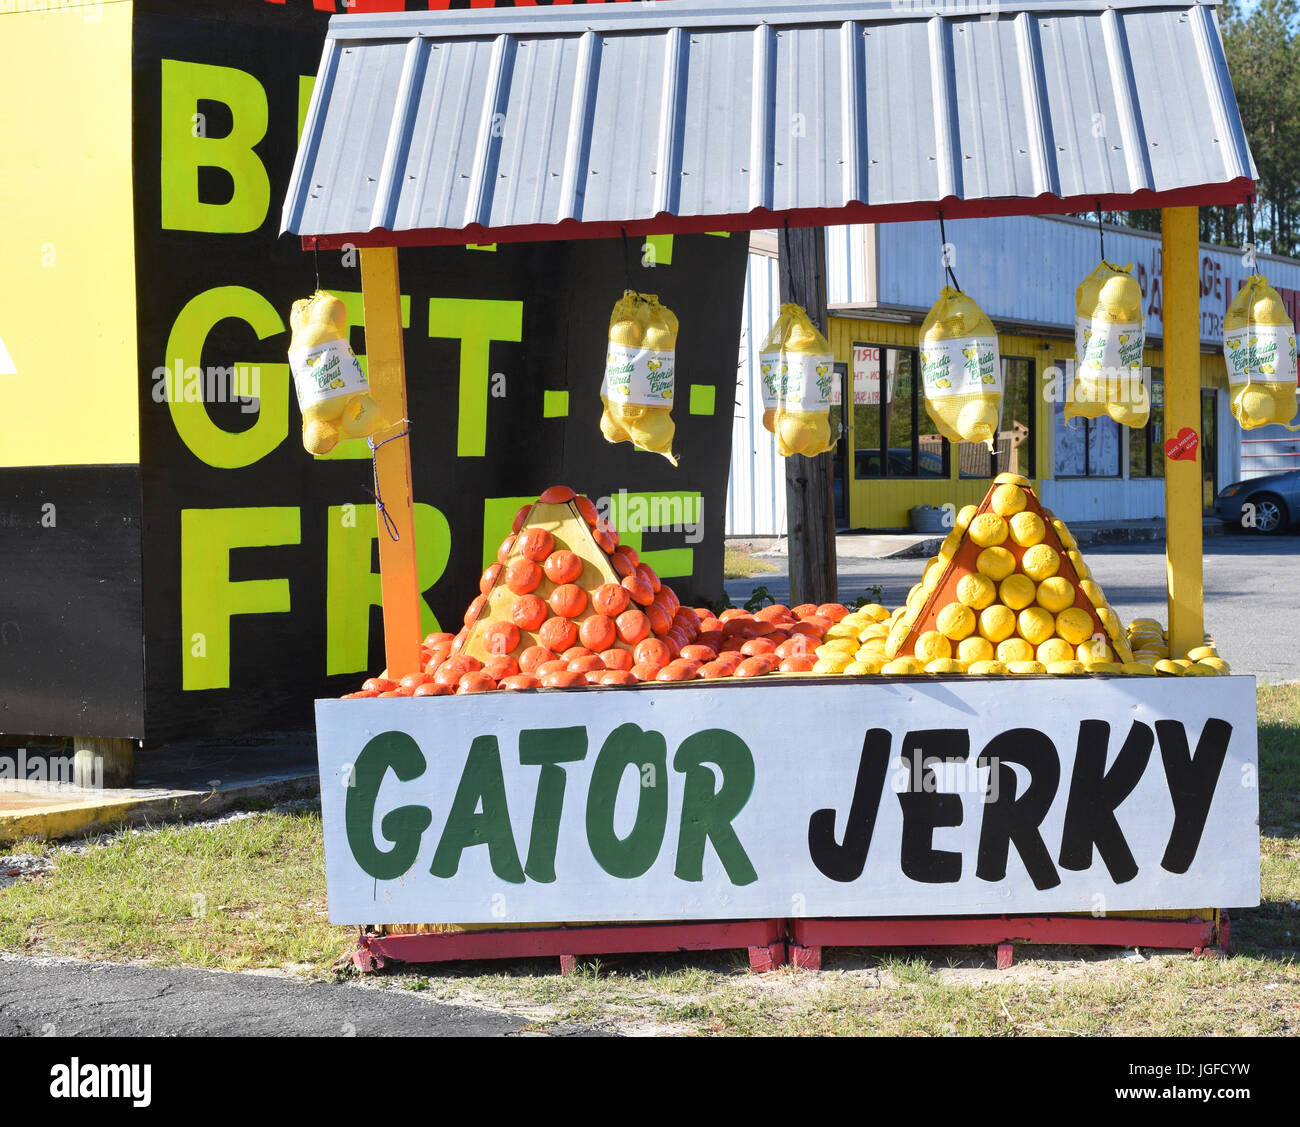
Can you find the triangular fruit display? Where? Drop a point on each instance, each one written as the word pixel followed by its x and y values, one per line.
pixel 1008 593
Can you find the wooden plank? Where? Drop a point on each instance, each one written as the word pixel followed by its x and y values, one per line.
pixel 1182 308
pixel 810 505
pixel 381 292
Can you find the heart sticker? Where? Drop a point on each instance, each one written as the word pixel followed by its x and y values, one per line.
pixel 1182 447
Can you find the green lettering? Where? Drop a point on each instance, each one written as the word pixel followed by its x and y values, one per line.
pixel 208 442
pixel 547 748
pixel 480 782
pixel 352 587
pixel 632 856
pixel 186 147
pixel 208 597
pixel 708 816
pixel 476 324
pixel 399 753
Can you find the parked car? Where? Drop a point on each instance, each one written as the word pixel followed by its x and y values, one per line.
pixel 1275 501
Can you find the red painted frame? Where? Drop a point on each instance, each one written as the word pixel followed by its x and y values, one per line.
pixel 763 939
pixel 807 937
pixel 1200 195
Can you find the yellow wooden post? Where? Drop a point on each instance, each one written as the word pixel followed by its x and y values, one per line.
pixel 1180 251
pixel 381 292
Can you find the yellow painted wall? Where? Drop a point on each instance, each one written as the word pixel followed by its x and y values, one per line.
pixel 67 253
pixel 887 502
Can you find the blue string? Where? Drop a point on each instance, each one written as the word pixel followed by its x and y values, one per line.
pixel 380 508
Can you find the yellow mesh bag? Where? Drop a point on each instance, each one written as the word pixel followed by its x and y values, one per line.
pixel 772 367
pixel 1109 335
pixel 333 392
pixel 1260 350
pixel 803 417
pixel 637 390
pixel 961 372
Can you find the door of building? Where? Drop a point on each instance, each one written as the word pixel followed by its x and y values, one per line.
pixel 840 454
pixel 1209 448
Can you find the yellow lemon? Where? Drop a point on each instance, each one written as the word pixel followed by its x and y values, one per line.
pixel 974 649
pixel 842 629
pixel 1017 591
pixel 832 665
pixel 950 544
pixel 902 665
pixel 1055 594
pixel 1216 663
pixel 1098 600
pixel 932 645
pixel 838 646
pixel 945 665
pixel 1035 625
pixel 964 517
pixel 1065 668
pixel 988 530
pixel 1063 534
pixel 1074 624
pixel 997 623
pixel 986 668
pixel 1022 667
pixel 1015 649
pixel 1105 667
pixel 1027 529
pixel 1008 500
pixel 1094 650
pixel 955 621
pixel 1040 562
pixel 975 590
pixel 1011 479
pixel 1196 653
pixel 875 630
pixel 1054 649
pixel 875 612
pixel 1137 669
pixel 862 668
pixel 1169 668
pixel 996 563
pixel 1081 569
pixel 933 573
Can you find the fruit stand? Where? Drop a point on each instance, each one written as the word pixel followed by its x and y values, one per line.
pixel 661 777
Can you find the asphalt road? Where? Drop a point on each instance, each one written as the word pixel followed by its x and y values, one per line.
pixel 1252 593
pixel 41 997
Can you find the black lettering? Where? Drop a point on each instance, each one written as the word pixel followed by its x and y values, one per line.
pixel 1010 820
pixel 1192 779
pixel 1095 795
pixel 845 862
pixel 927 810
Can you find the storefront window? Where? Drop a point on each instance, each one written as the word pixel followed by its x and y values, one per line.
pixel 892 434
pixel 1086 447
pixel 1015 446
pixel 1146 447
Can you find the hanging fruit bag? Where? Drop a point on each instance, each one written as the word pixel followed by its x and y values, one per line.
pixel 333 393
pixel 1260 350
pixel 640 359
pixel 772 368
pixel 961 371
pixel 803 416
pixel 1109 335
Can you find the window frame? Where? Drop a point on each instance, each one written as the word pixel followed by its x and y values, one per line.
pixel 1031 422
pixel 882 451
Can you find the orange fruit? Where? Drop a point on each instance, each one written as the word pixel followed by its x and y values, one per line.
pixel 644 671
pixel 615 658
pixel 833 611
pixel 623 567
pixel 640 591
pixel 702 654
pixel 598 632
pixel 646 572
pixel 501 667
pixel 678 671
pixel 475 681
pixel 535 544
pixel 587 663
pixel 507 546
pixel 378 685
pixel 488 579
pixel 587 510
pixel 799 663
pixel 568 600
pixel 529 612
pixel 562 566
pixel 519 681
pixel 628 552
pixel 557 634
pixel 660 621
pixel 433 689
pixel 556 495
pixel 534 656
pixel 605 540
pixel 520 517
pixel 523 576
pixel 632 626
pixel 754 667
pixel 475 609
pixel 652 651
pixel 616 677
pixel 500 637
pixel 610 599
pixel 563 679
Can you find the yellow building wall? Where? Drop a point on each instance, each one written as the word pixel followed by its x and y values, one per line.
pixel 67 252
pixel 887 502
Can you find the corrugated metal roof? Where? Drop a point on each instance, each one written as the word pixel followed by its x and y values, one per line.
pixel 473 126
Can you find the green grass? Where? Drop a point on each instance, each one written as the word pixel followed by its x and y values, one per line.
pixel 250 894
pixel 741 565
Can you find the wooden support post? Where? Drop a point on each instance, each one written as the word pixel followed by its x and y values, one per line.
pixel 809 497
pixel 1180 252
pixel 98 762
pixel 399 588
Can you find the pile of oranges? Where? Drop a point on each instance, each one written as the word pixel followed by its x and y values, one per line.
pixel 565 605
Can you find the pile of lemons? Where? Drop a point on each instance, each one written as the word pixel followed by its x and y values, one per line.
pixel 1014 613
pixel 1150 644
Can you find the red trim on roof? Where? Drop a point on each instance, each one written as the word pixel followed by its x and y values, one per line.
pixel 1234 192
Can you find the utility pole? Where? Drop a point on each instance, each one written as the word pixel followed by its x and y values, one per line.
pixel 809 500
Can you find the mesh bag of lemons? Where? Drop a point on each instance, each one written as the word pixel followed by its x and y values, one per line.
pixel 961 372
pixel 333 392
pixel 640 363
pixel 798 399
pixel 1260 350
pixel 1109 335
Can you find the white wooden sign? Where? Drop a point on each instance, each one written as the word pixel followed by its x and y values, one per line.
pixel 917 797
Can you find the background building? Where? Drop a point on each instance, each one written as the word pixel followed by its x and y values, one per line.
pixel 881 281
